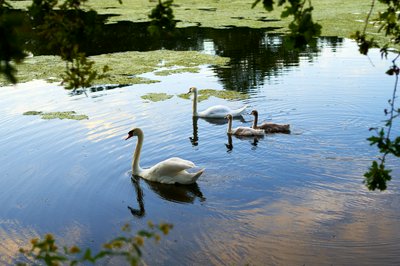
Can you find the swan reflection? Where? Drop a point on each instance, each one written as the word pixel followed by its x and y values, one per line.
pixel 222 121
pixel 175 193
pixel 253 141
pixel 139 198
pixel 229 145
pixel 194 139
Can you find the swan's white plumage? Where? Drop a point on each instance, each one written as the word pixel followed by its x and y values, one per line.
pixel 220 111
pixel 169 171
pixel 217 111
pixel 169 167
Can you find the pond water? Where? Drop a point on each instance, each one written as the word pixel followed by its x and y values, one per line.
pixel 282 199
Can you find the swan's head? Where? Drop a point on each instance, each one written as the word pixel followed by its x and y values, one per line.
pixel 192 90
pixel 133 132
pixel 254 112
pixel 229 117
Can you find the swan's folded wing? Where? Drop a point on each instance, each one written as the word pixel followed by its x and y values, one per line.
pixel 215 111
pixel 171 166
pixel 238 111
pixel 246 131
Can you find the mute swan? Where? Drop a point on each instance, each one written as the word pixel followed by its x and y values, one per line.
pixel 217 111
pixel 269 127
pixel 170 171
pixel 242 131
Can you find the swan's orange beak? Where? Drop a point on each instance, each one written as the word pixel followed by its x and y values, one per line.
pixel 129 136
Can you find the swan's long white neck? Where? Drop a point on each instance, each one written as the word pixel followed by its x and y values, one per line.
pixel 255 121
pixel 195 103
pixel 136 169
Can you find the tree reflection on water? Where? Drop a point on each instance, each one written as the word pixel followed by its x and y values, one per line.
pixel 255 54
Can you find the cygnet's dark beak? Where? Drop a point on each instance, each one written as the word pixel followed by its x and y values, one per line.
pixel 129 136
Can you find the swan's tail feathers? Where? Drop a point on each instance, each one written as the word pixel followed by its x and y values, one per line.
pixel 198 174
pixel 240 111
pixel 186 178
pixel 193 177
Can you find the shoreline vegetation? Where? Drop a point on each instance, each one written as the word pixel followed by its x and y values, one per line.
pixel 126 67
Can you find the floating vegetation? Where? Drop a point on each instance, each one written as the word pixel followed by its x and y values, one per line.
pixel 33 113
pixel 177 71
pixel 204 94
pixel 156 97
pixel 125 67
pixel 60 115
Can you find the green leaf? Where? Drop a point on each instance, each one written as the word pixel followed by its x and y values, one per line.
pixel 88 255
pixel 377 176
pixel 101 254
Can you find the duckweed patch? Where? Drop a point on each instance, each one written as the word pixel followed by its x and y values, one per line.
pixel 156 97
pixel 177 71
pixel 223 13
pixel 33 113
pixel 60 115
pixel 125 67
pixel 204 94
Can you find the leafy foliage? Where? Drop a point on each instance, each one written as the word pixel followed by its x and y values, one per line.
pixel 128 246
pixel 364 44
pixel 377 175
pixel 80 72
pixel 65 28
pixel 302 30
pixel 11 45
pixel 162 18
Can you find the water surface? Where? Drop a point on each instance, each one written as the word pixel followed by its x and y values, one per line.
pixel 280 200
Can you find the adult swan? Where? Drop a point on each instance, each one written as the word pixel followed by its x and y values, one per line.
pixel 217 111
pixel 170 171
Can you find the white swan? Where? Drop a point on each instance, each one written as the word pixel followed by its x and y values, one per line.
pixel 270 127
pixel 217 111
pixel 242 131
pixel 170 171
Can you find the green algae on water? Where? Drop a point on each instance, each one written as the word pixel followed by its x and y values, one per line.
pixel 227 13
pixel 156 97
pixel 167 72
pixel 33 113
pixel 204 94
pixel 64 115
pixel 125 67
pixel 60 115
